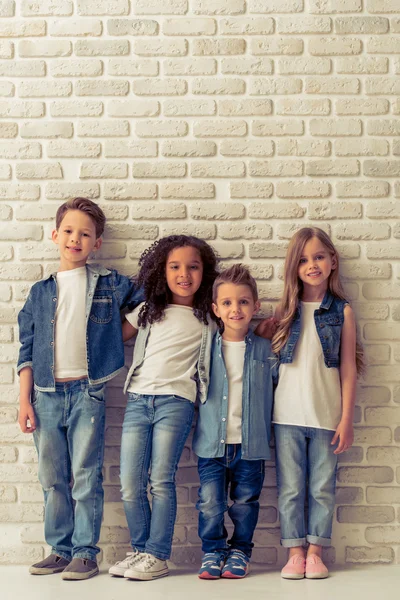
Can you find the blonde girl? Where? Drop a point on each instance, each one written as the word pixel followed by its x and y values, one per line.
pixel 314 400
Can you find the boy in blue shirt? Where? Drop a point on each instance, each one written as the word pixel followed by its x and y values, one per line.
pixel 233 428
pixel 71 344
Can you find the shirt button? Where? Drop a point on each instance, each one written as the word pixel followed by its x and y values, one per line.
pixel 224 397
pixel 51 343
pixel 90 295
pixel 52 367
pixel 222 441
pixel 225 376
pixel 52 321
pixel 219 355
pixel 223 419
pixel 54 299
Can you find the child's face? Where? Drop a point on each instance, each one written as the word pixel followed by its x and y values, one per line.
pixel 76 238
pixel 184 272
pixel 235 306
pixel 315 265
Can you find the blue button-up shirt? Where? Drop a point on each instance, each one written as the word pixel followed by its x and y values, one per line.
pixel 107 293
pixel 259 376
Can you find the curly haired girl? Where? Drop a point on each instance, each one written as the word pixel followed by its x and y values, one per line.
pixel 169 369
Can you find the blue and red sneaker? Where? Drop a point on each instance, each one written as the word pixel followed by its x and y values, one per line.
pixel 237 565
pixel 211 565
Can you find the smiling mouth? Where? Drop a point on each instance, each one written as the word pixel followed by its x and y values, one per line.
pixel 315 274
pixel 236 318
pixel 72 249
pixel 184 284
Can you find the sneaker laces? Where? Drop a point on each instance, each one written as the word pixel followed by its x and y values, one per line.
pixel 238 556
pixel 131 558
pixel 211 557
pixel 149 560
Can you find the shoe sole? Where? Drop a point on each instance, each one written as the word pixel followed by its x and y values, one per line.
pixel 292 575
pixel 316 575
pixel 230 575
pixel 71 576
pixel 45 571
pixel 147 576
pixel 115 574
pixel 208 576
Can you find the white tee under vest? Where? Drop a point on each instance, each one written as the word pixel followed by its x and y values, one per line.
pixel 70 325
pixel 233 353
pixel 308 392
pixel 171 355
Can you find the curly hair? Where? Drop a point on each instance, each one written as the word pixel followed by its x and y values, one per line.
pixel 153 278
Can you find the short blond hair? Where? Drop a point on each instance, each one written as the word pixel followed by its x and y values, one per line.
pixel 238 275
pixel 88 207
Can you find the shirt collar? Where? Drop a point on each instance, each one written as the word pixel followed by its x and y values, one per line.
pixel 93 267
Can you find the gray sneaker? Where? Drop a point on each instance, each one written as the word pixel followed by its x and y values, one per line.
pixel 51 564
pixel 80 568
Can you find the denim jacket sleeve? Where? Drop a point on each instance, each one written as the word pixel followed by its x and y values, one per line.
pixel 26 332
pixel 127 292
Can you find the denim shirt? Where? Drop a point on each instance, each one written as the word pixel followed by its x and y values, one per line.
pixel 329 318
pixel 259 375
pixel 106 294
pixel 203 365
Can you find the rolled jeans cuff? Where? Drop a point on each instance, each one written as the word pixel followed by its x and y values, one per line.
pixel 293 543
pixel 318 541
pixel 62 554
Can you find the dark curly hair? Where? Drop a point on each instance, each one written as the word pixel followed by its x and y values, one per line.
pixel 153 279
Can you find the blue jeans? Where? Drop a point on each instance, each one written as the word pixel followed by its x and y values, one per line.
pixel 69 439
pixel 305 453
pixel 153 436
pixel 246 478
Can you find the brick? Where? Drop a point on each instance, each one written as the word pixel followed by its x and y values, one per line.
pixel 75 108
pixel 103 128
pixel 333 127
pixel 133 108
pixel 382 168
pixel 45 89
pixel 19 191
pixel 76 68
pixel 387 127
pixel 189 107
pixel 183 148
pixel 218 169
pixel 22 110
pixel 276 168
pixel 361 25
pixel 334 46
pixel 21 272
pixel 383 291
pixel 279 85
pixel 75 27
pixel 7 88
pixel 190 67
pixel 304 24
pixel 41 170
pixel 216 211
pixel 362 65
pixel 267 250
pixel 349 495
pixel 276 45
pixel 159 170
pixel 365 514
pixel 48 49
pixel 219 7
pixel 385 45
pixel 247 66
pixel 334 210
pixel 160 87
pixel 73 149
pixel 338 167
pixel 129 191
pixel 365 474
pixel 133 68
pixel 248 231
pixel 7 8
pixel 251 190
pixel 46 129
pixel 299 147
pixel 20 150
pixel 384 373
pixel 335 6
pixel 245 107
pixel 188 190
pixel 206 231
pixel 64 191
pixel 363 231
pixel 365 555
pixel 189 26
pixel 218 86
pixel 22 28
pixel 302 189
pixel 161 47
pixel 274 6
pixel 275 210
pixel 362 189
pixel 361 148
pixel 247 148
pixel 101 48
pixel 103 171
pixel 103 7
pixel 162 128
pixel 160 7
pixel 41 212
pixel 8 130
pixel 26 68
pixel 304 66
pixel 289 106
pixel 385 251
pixel 133 27
pixel 6 49
pixel 277 127
pixel 332 85
pixel 131 232
pixel 219 128
pixel 382 85
pixel 159 211
pixel 246 26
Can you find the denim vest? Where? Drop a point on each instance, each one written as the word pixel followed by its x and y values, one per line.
pixel 329 318
pixel 259 375
pixel 203 365
pixel 107 293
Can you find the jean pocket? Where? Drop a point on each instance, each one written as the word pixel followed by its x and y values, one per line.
pixel 96 393
pixel 101 311
pixel 34 396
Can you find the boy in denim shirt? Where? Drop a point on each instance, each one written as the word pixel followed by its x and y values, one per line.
pixel 71 336
pixel 233 429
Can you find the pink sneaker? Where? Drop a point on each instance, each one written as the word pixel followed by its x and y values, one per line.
pixel 295 567
pixel 315 568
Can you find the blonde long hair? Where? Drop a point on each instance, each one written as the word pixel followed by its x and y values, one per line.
pixel 293 287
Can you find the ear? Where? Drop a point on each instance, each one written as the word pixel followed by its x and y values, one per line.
pixel 54 236
pixel 97 245
pixel 257 306
pixel 215 309
pixel 334 262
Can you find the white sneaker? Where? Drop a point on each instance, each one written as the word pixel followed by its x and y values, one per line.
pixel 120 568
pixel 148 568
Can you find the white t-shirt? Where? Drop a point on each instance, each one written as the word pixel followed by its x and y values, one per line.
pixel 234 362
pixel 308 392
pixel 70 326
pixel 171 354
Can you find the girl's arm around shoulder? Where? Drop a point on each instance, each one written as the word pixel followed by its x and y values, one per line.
pixel 128 330
pixel 348 379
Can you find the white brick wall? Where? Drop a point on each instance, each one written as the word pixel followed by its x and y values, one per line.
pixel 238 121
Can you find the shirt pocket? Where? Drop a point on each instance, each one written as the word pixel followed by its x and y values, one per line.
pixel 101 311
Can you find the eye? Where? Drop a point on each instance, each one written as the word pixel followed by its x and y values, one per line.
pixel 226 303
pixel 194 267
pixel 86 235
pixel 302 261
pixel 245 302
pixel 320 257
pixel 67 231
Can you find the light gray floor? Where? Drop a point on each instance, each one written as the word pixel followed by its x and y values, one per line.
pixel 355 583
